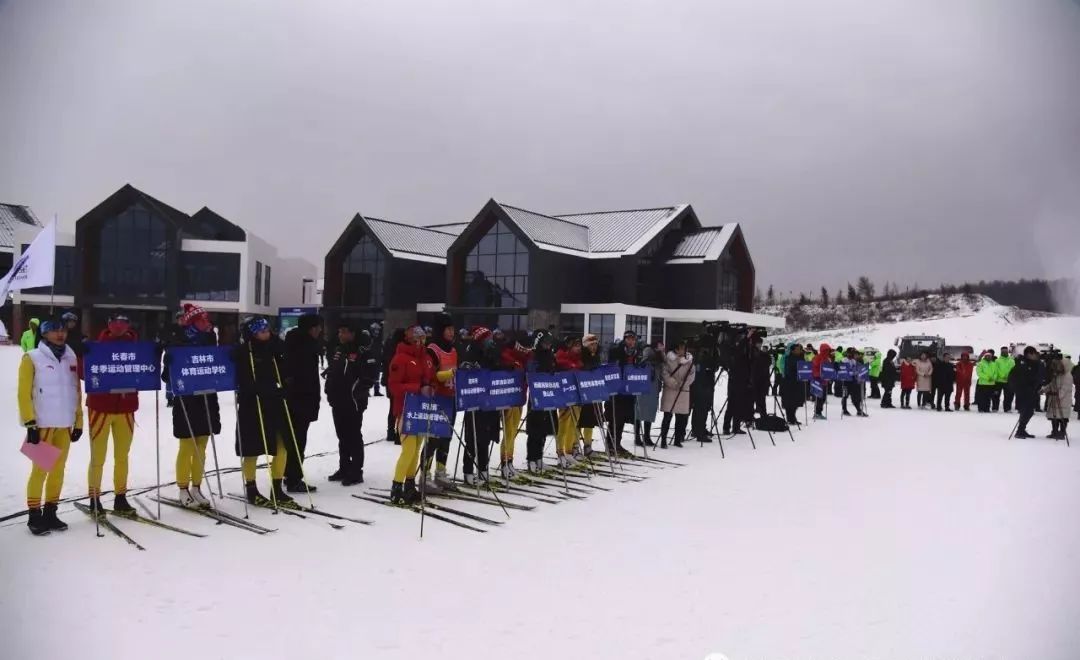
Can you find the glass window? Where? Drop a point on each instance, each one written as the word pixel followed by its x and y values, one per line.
pixel 210 276
pixel 728 289
pixel 571 324
pixel 364 275
pixel 266 288
pixel 258 282
pixel 131 255
pixel 63 272
pixel 603 326
pixel 656 330
pixel 639 325
pixel 497 271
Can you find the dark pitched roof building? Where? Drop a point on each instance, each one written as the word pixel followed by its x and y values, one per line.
pixel 13 216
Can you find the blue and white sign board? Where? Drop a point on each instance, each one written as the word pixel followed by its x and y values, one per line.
pixel 471 389
pixel 804 370
pixel 816 389
pixel 591 386
pixel 121 366
pixel 828 371
pixel 200 370
pixel 545 391
pixel 428 416
pixel 637 379
pixel 612 374
pixel 507 390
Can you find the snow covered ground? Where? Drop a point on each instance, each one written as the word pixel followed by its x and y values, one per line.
pixel 906 535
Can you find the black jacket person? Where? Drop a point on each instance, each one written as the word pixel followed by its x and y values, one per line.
pixel 303 351
pixel 349 375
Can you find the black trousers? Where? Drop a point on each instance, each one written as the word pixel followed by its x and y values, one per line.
pixel 819 404
pixel 348 425
pixel 995 398
pixel 534 445
pixel 680 426
pixel 760 407
pixel 875 393
pixel 886 396
pixel 1007 404
pixel 1027 411
pixel 855 392
pixel 481 429
pixel 905 398
pixel 944 397
pixel 699 419
pixel 294 462
pixel 925 399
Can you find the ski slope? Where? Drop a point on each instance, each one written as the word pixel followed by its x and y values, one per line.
pixel 988 326
pixel 910 534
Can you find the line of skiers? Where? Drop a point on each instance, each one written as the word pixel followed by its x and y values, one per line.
pixel 278 396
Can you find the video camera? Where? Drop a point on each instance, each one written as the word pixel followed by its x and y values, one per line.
pixel 719 342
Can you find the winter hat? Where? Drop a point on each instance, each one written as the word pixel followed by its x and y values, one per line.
pixel 309 321
pixel 628 334
pixel 480 333
pixel 50 325
pixel 190 313
pixel 540 337
pixel 257 325
pixel 119 316
pixel 69 316
pixel 414 333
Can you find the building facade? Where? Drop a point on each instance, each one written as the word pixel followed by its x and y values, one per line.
pixel 14 219
pixel 657 271
pixel 136 253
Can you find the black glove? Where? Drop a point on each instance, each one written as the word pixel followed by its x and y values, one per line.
pixel 76 433
pixel 33 435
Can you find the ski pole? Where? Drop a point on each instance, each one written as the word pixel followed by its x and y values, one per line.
pixel 609 447
pixel 581 437
pixel 292 432
pixel 262 431
pixel 555 427
pixel 240 443
pixel 157 444
pixel 213 445
pixel 423 481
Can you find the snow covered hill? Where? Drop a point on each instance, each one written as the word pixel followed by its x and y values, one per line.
pixel 910 534
pixel 962 320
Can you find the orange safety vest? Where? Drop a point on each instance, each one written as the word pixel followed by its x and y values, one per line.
pixel 447 361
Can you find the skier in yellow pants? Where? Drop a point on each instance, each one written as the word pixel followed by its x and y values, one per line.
pixel 50 408
pixel 111 414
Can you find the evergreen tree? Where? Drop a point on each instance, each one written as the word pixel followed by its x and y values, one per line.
pixel 839 297
pixel 757 297
pixel 852 294
pixel 770 297
pixel 824 297
pixel 865 288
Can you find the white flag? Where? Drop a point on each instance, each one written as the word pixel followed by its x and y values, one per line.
pixel 35 267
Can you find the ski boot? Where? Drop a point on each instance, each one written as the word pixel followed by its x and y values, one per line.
pixel 396 489
pixel 861 414
pixel 432 487
pixel 442 479
pixel 622 452
pixel 535 467
pixel 36 523
pixel 588 450
pixel 187 500
pixel 253 495
pixel 354 478
pixel 199 498
pixel 48 517
pixel 1022 434
pixel 301 487
pixel 504 470
pixel 96 510
pixel 121 506
pixel 283 500
pixel 472 479
pixel 409 494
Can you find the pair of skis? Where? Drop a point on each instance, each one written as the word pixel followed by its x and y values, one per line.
pixel 384 501
pixel 107 523
pixel 219 516
pixel 301 511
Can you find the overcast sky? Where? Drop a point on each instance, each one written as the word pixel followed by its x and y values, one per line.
pixel 910 140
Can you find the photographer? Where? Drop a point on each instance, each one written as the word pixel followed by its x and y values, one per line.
pixel 740 405
pixel 678 377
pixel 703 391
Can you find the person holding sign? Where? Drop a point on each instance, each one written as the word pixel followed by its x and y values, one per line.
pixel 623 407
pixel 50 409
pixel 568 358
pixel 444 355
pixel 412 371
pixel 678 378
pixel 262 422
pixel 538 422
pixel 792 393
pixel 511 358
pixel 481 426
pixel 194 417
pixel 115 414
pixel 648 404
pixel 823 357
pixel 587 419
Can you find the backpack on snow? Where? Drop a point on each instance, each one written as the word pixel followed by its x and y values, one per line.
pixel 771 424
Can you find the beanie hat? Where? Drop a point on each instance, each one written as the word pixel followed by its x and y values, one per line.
pixel 414 333
pixel 480 333
pixel 190 313
pixel 50 325
pixel 257 325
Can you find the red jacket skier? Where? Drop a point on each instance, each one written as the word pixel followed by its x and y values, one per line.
pixel 907 375
pixel 824 354
pixel 964 370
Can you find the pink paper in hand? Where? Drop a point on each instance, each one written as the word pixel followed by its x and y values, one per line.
pixel 44 456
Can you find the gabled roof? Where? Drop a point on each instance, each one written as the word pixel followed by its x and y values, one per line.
pixel 454 228
pixel 703 245
pixel 209 226
pixel 11 217
pixel 400 240
pixel 129 194
pixel 598 234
